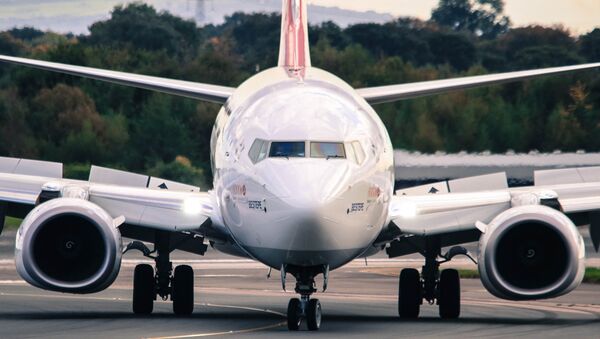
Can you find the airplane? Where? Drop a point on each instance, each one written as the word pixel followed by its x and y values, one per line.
pixel 303 183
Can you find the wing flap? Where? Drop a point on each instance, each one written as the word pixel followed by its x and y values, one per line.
pixel 567 176
pixel 109 176
pixel 487 182
pixel 31 167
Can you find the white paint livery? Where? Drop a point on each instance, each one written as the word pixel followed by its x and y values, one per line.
pixel 300 213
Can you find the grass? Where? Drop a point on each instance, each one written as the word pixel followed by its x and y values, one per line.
pixel 12 223
pixel 592 275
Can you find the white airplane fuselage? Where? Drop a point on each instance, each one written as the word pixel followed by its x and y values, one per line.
pixel 301 211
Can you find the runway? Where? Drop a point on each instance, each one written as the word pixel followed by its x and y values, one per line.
pixel 234 298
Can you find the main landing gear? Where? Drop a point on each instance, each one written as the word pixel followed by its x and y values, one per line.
pixel 304 308
pixel 162 281
pixel 431 285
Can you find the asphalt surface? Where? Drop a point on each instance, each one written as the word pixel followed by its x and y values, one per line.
pixel 234 298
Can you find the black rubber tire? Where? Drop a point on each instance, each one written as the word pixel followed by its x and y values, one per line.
pixel 293 315
pixel 143 289
pixel 313 315
pixel 449 294
pixel 409 294
pixel 182 290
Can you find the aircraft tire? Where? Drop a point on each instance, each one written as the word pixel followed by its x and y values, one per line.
pixel 182 292
pixel 293 315
pixel 409 294
pixel 449 294
pixel 143 289
pixel 313 315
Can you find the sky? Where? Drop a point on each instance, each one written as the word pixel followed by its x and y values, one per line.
pixel 580 16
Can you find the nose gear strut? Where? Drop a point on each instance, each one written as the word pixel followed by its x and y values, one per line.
pixel 304 308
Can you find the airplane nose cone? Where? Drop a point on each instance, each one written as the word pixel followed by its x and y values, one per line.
pixel 308 184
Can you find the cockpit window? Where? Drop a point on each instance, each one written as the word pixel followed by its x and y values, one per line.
pixel 292 149
pixel 327 150
pixel 258 151
pixel 359 152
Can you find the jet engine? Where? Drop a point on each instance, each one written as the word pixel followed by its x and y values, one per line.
pixel 531 252
pixel 68 245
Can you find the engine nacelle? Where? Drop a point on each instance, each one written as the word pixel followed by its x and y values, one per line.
pixel 531 252
pixel 68 245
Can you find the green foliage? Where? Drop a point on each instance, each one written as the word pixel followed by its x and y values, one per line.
pixel 77 171
pixel 140 26
pixel 591 276
pixel 180 170
pixel 80 122
pixel 9 45
pixel 590 45
pixel 482 17
pixel 12 223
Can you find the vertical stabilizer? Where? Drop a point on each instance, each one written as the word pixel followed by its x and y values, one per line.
pixel 294 51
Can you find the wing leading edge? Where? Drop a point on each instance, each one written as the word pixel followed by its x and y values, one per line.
pixel 383 94
pixel 204 92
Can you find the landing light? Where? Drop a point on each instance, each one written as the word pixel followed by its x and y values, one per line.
pixel 192 206
pixel 406 209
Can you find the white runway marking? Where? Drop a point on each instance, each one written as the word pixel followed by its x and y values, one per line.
pixel 193 335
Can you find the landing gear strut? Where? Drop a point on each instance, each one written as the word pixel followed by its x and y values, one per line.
pixel 149 282
pixel 431 286
pixel 304 308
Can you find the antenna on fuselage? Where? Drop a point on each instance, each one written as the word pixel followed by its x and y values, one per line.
pixel 294 52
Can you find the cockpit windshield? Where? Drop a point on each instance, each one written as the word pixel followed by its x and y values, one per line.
pixel 327 150
pixel 293 149
pixel 262 149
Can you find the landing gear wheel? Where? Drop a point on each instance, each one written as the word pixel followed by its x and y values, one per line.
pixel 143 289
pixel 294 314
pixel 313 315
pixel 182 290
pixel 409 294
pixel 449 294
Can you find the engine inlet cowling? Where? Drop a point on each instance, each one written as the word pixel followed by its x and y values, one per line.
pixel 68 245
pixel 531 252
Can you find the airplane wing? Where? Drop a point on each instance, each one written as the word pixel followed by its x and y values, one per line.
pixel 136 199
pixel 204 92
pixel 382 94
pixel 469 204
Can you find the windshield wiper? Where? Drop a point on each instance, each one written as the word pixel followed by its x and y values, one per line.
pixel 334 156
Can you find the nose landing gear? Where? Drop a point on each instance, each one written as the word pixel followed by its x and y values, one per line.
pixel 304 308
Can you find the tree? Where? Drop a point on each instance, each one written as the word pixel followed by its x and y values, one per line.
pixel 26 33
pixel 9 45
pixel 589 45
pixel 256 38
pixel 141 26
pixel 66 123
pixel 16 138
pixel 521 38
pixel 485 18
pixel 452 48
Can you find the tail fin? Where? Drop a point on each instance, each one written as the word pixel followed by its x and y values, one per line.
pixel 294 51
